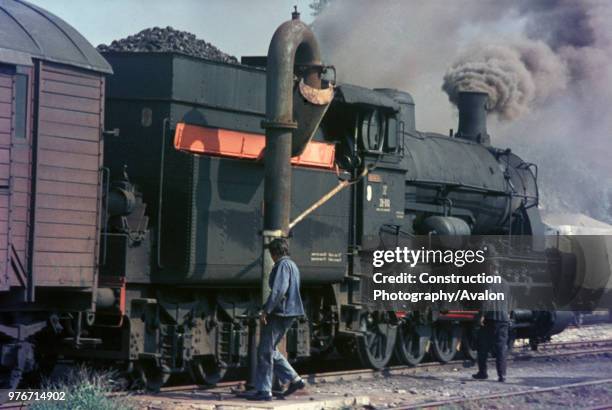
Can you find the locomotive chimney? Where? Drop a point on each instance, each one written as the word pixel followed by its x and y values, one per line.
pixel 472 107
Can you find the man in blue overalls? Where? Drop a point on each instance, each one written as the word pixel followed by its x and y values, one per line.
pixel 280 311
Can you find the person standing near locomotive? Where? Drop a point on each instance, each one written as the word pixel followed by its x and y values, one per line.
pixel 493 333
pixel 282 308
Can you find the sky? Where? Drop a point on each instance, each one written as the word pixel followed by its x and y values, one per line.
pixel 237 27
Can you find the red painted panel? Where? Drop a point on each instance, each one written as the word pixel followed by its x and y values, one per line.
pixel 19 243
pixel 69 71
pixel 66 203
pixel 5 156
pixel 5 138
pixel 19 199
pixel 59 245
pixel 68 102
pixel 70 89
pixel 20 170
pixel 64 276
pixel 68 160
pixel 21 185
pixel 51 173
pixel 20 153
pixel 20 213
pixel 67 188
pixel 69 145
pixel 5 124
pixel 64 116
pixel 56 230
pixel 5 171
pixel 69 131
pixel 6 110
pixel 238 144
pixel 70 78
pixel 67 192
pixel 62 217
pixel 62 259
pixel 6 95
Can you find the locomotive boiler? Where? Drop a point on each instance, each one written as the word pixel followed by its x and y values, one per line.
pixel 133 205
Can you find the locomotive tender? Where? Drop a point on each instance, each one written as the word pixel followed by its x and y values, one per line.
pixel 142 245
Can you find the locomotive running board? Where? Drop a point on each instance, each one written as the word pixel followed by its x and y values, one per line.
pixel 221 142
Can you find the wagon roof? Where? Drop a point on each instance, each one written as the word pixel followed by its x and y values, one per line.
pixel 27 31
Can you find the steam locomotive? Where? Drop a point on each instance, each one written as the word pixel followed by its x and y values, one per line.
pixel 132 204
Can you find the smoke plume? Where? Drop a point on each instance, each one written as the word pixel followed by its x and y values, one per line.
pixel 514 76
pixel 546 64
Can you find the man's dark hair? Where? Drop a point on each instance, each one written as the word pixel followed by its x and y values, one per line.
pixel 279 247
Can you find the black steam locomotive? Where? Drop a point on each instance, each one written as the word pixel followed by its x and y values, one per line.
pixel 142 246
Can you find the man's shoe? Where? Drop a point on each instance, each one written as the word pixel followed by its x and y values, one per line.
pixel 294 386
pixel 480 376
pixel 261 396
pixel 501 379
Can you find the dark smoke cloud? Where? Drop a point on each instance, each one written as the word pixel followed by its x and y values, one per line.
pixel 559 23
pixel 557 52
pixel 514 75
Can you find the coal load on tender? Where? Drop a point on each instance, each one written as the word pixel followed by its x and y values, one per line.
pixel 168 40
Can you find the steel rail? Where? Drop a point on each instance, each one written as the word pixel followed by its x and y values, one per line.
pixel 357 374
pixel 364 374
pixel 525 392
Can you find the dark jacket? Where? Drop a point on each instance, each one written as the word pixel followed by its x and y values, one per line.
pixel 497 310
pixel 284 299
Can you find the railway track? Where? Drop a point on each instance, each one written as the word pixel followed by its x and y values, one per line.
pixel 14 406
pixel 565 349
pixel 601 343
pixel 547 351
pixel 497 396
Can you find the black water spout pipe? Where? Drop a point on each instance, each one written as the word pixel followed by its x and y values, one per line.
pixel 293 51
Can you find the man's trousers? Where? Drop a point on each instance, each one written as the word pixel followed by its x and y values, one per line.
pixel 269 360
pixel 493 335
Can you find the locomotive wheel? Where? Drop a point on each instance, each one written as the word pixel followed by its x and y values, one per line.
pixel 444 341
pixel 152 376
pixel 469 340
pixel 323 334
pixel 207 371
pixel 375 346
pixel 411 345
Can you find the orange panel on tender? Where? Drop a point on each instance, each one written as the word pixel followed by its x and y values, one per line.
pixel 237 144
